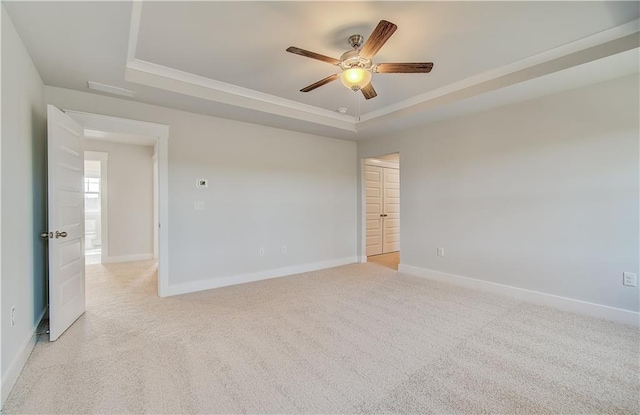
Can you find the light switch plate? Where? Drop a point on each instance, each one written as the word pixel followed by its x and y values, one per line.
pixel 202 183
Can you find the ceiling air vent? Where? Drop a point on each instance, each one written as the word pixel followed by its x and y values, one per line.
pixel 109 89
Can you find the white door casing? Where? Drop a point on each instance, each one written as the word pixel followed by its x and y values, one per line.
pixel 65 221
pixel 160 132
pixel 373 184
pixel 391 203
pixel 156 213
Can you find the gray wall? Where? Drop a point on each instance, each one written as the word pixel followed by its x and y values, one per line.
pixel 541 195
pixel 267 188
pixel 129 196
pixel 23 196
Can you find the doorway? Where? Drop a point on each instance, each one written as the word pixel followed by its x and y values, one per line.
pixel 128 234
pixel 66 132
pixel 139 134
pixel 93 211
pixel 381 184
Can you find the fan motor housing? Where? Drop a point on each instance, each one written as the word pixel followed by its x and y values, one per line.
pixel 352 59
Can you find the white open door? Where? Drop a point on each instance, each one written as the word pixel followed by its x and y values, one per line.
pixel 66 221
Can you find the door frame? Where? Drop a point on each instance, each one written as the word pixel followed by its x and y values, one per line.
pixel 160 133
pixel 103 158
pixel 156 221
pixel 363 197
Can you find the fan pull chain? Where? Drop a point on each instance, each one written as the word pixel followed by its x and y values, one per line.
pixel 356 116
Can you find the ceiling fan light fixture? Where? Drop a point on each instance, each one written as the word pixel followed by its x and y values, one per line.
pixel 355 78
pixel 357 66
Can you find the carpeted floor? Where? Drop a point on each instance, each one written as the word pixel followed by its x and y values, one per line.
pixel 353 339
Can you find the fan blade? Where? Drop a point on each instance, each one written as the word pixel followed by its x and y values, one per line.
pixel 414 67
pixel 320 83
pixel 312 55
pixel 378 38
pixel 369 92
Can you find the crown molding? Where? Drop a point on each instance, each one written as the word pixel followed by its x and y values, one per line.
pixel 618 39
pixel 151 74
pixel 134 30
pixel 606 43
pixel 440 98
pixel 163 77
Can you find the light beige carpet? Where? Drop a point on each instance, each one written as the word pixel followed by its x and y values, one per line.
pixel 359 338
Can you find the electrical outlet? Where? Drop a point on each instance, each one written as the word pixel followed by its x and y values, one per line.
pixel 440 251
pixel 262 251
pixel 202 183
pixel 630 279
pixel 284 249
pixel 13 316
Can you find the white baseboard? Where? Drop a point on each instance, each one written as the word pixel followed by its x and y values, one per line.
pixel 363 259
pixel 202 285
pixel 15 367
pixel 128 258
pixel 617 315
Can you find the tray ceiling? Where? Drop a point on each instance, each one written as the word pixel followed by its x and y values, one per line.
pixel 243 43
pixel 228 59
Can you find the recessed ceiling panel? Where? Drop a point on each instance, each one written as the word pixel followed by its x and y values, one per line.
pixel 244 43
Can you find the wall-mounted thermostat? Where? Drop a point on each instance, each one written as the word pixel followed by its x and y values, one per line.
pixel 202 183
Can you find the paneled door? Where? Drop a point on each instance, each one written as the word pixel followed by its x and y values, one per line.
pixel 391 211
pixel 66 221
pixel 382 186
pixel 373 185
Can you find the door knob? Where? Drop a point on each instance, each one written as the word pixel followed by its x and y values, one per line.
pixel 61 234
pixel 46 235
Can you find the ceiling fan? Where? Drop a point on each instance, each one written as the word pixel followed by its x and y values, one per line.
pixel 357 66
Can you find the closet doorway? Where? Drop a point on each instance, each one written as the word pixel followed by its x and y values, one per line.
pixel 382 190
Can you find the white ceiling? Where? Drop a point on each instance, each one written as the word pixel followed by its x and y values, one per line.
pixel 136 140
pixel 243 43
pixel 234 53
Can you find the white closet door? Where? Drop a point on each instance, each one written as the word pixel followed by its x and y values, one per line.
pixel 373 184
pixel 391 213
